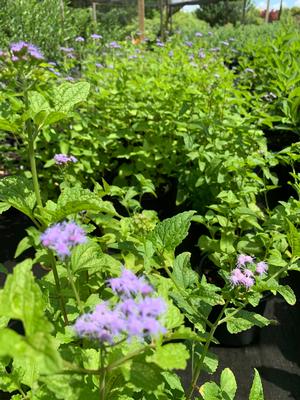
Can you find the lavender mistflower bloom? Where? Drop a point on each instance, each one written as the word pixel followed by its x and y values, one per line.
pixel 54 71
pixel 160 44
pixel 132 57
pixel 96 36
pixel 171 53
pixel 191 57
pixel 23 48
pixel 62 237
pixel 198 34
pixel 201 54
pixel 261 268
pixel 69 78
pixel 114 45
pixel 79 39
pixel 67 49
pixel 209 33
pixel 239 277
pixel 18 47
pixel 243 260
pixel 134 315
pixel 98 65
pixel 236 276
pixel 62 159
pixel 189 44
pixel 129 284
pixel 215 49
pixel 14 58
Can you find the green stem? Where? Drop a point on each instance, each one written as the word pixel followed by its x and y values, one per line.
pixel 102 375
pixel 58 288
pixel 35 181
pixel 75 291
pixel 122 360
pixel 199 365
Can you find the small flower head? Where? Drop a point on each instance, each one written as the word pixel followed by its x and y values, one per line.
pixel 114 45
pixel 243 259
pixel 79 39
pixel 261 268
pixel 62 237
pixel 128 284
pixel 95 36
pixel 25 50
pixel 198 34
pixel 63 159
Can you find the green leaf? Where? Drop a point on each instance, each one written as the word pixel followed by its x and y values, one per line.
pixel 168 234
pixel 293 237
pixel 5 125
pixel 23 245
pixel 256 392
pixel 37 102
pixel 243 320
pixel 68 94
pixel 173 381
pixel 226 242
pixel 210 363
pixel 210 391
pixel 21 298
pixel 173 317
pixel 4 207
pixel 145 376
pixel 89 256
pixel 228 383
pixel 164 356
pixel 76 199
pixel 288 294
pixel 17 192
pixel 182 271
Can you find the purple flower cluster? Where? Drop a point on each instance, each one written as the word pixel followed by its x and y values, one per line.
pixel 79 39
pixel 62 237
pixel 24 51
pixel 135 314
pixel 244 273
pixel 69 51
pixel 114 45
pixel 63 159
pixel 95 36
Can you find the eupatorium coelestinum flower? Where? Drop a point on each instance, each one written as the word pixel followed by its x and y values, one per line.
pixel 244 273
pixel 24 50
pixel 62 159
pixel 62 237
pixel 136 314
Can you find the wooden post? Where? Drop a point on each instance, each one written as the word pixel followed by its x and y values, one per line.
pixel 62 10
pixel 94 13
pixel 141 17
pixel 267 11
pixel 161 27
pixel 244 11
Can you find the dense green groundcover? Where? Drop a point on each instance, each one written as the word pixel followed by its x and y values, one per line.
pixel 132 145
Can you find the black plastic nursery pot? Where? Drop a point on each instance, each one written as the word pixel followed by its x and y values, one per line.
pixel 245 338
